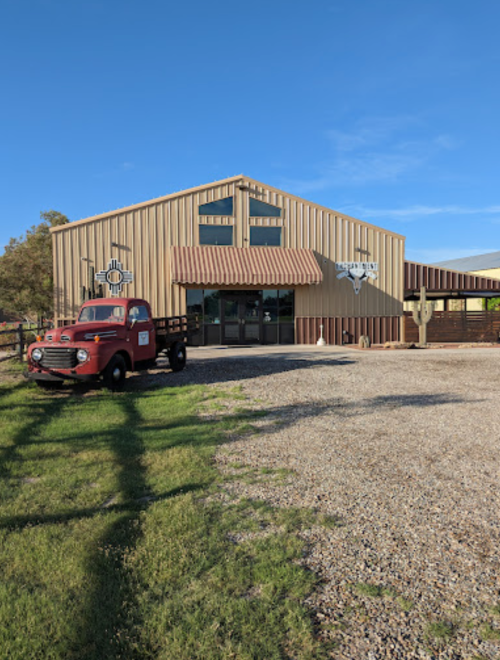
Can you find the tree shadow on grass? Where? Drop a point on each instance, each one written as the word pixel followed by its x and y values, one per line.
pixel 183 431
pixel 16 523
pixel 219 370
pixel 40 413
pixel 97 635
pixel 10 389
pixel 106 609
pixel 107 587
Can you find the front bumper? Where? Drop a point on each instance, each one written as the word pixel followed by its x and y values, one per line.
pixel 57 377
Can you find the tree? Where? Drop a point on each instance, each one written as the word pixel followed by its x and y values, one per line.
pixel 26 270
pixel 491 304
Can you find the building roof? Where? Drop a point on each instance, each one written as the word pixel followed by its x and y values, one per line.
pixel 446 281
pixel 230 266
pixel 469 264
pixel 241 180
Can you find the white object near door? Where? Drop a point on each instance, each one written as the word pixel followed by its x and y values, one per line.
pixel 321 341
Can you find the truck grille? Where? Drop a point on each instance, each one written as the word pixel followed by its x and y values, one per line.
pixel 59 358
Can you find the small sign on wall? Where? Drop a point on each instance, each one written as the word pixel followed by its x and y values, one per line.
pixel 357 272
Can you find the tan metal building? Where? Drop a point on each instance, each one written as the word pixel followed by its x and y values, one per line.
pixel 258 264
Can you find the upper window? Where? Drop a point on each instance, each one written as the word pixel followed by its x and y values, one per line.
pixel 265 236
pixel 216 234
pixel 220 207
pixel 260 209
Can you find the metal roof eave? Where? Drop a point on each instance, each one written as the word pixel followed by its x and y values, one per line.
pixel 450 294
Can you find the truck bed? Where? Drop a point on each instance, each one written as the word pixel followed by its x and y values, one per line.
pixel 175 328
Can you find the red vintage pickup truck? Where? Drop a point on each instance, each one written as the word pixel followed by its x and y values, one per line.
pixel 111 336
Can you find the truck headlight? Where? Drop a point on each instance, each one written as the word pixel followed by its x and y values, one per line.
pixel 82 355
pixel 36 354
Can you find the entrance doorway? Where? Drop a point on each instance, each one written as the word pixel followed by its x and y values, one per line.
pixel 241 317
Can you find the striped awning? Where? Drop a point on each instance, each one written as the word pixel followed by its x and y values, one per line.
pixel 230 266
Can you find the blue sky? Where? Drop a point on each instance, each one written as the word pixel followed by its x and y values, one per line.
pixel 387 110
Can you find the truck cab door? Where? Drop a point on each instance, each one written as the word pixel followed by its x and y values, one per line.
pixel 141 333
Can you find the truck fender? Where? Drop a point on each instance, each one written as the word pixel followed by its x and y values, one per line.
pixel 126 356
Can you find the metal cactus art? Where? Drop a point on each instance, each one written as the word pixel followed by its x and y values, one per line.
pixel 422 314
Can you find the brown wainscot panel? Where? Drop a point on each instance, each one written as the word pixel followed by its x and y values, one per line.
pixel 348 330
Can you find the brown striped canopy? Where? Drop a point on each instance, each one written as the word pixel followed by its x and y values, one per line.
pixel 230 266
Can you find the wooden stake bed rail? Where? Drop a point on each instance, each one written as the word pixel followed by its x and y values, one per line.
pixel 176 328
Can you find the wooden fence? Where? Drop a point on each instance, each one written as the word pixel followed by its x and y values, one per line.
pixel 16 337
pixel 457 327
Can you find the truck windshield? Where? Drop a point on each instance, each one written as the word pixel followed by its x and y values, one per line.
pixel 102 314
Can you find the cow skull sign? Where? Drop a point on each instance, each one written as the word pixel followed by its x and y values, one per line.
pixel 357 272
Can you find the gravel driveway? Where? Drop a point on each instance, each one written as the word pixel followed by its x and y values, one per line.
pixel 402 447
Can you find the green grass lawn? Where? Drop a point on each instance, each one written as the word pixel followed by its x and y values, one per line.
pixel 111 546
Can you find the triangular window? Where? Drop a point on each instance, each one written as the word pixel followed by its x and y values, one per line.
pixel 220 207
pixel 260 209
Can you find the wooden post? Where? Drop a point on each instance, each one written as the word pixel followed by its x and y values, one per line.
pixel 91 283
pixel 21 341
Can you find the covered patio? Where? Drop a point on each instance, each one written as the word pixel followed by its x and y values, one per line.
pixel 449 285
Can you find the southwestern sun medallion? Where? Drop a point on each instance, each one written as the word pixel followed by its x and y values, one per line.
pixel 115 277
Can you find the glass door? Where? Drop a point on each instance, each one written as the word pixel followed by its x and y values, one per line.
pixel 241 317
pixel 251 321
pixel 231 324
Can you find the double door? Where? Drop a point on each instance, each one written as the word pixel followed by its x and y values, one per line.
pixel 241 318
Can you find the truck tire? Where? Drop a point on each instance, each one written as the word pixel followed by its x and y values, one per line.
pixel 177 356
pixel 114 374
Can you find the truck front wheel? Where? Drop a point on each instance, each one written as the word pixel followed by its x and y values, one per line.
pixel 114 374
pixel 177 356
